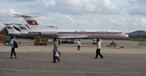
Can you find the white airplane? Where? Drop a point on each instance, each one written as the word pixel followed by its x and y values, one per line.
pixel 34 28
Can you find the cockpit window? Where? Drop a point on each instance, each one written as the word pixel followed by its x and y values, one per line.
pixel 16 28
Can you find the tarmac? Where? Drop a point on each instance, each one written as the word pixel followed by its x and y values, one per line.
pixel 37 60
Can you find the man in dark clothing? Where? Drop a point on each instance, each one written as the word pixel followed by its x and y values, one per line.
pixel 98 49
pixel 13 47
pixel 55 48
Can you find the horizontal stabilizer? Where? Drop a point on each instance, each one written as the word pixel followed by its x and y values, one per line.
pixel 18 15
pixel 29 19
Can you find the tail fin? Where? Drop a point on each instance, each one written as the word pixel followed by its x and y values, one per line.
pixel 29 19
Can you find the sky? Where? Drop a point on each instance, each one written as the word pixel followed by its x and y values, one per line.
pixel 122 15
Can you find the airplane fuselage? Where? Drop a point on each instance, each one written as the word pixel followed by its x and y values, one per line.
pixel 92 34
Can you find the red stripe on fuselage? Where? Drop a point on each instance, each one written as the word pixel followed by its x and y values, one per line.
pixel 89 32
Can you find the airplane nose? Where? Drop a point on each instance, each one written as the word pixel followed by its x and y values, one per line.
pixel 126 35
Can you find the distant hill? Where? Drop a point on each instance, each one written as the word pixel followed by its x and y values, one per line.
pixel 137 34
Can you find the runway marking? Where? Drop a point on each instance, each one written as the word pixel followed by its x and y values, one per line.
pixel 78 72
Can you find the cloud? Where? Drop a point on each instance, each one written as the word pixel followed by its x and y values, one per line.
pixel 136 7
pixel 14 1
pixel 81 6
pixel 85 14
pixel 110 7
pixel 2 11
pixel 49 2
pixel 137 11
pixel 75 3
pixel 141 2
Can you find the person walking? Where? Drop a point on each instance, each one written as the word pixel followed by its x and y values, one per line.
pixel 98 49
pixel 55 48
pixel 13 45
pixel 78 45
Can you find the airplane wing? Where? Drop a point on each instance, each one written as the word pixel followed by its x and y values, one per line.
pixel 72 36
